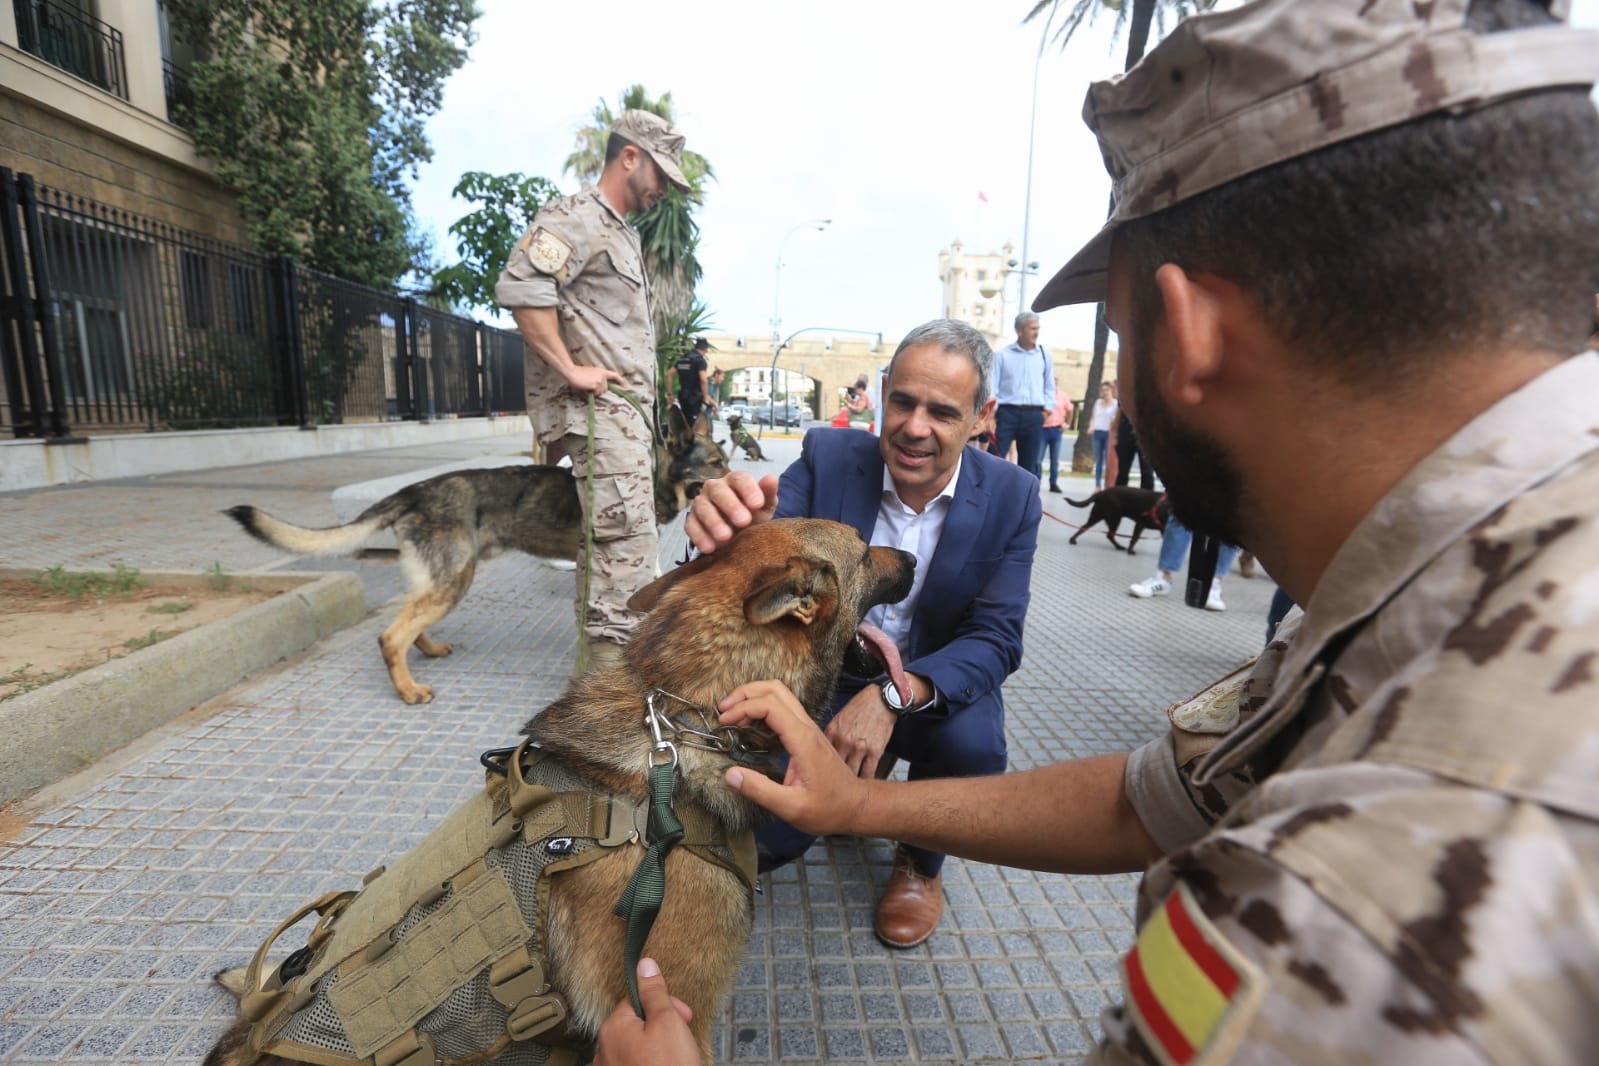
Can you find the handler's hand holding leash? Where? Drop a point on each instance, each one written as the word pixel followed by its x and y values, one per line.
pixel 660 1038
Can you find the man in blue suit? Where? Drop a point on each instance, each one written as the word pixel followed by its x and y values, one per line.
pixel 971 520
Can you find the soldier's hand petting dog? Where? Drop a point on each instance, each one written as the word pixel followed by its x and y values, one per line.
pixel 819 793
pixel 726 505
pixel 660 1038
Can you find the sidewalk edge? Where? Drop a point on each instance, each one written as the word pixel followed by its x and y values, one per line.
pixel 60 728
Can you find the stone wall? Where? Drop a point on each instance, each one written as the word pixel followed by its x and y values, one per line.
pixel 84 161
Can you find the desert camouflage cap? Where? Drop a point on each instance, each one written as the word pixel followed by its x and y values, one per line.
pixel 1232 92
pixel 658 138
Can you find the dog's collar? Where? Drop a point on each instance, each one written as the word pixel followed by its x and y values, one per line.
pixel 694 726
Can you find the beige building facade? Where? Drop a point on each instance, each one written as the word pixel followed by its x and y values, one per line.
pixel 88 96
pixel 974 289
pixel 816 370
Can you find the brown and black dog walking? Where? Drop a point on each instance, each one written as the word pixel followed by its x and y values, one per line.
pixel 449 524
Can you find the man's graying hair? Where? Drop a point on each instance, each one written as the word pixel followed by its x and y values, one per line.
pixel 956 338
pixel 1385 253
pixel 1024 318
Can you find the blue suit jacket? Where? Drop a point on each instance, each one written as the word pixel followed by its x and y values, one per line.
pixel 966 634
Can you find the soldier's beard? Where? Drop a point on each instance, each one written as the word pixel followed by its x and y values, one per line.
pixel 1202 482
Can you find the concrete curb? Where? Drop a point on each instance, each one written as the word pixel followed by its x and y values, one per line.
pixel 58 729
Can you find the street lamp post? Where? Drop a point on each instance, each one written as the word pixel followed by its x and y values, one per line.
pixel 1027 202
pixel 818 224
pixel 778 347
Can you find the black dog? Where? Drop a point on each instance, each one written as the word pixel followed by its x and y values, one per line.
pixel 1147 508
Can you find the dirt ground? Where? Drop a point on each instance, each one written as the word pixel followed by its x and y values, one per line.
pixel 45 636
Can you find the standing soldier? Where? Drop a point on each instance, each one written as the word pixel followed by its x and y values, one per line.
pixel 576 287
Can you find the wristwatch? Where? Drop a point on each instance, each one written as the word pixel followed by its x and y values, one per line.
pixel 898 706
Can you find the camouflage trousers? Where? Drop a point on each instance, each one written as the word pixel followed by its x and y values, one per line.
pixel 625 537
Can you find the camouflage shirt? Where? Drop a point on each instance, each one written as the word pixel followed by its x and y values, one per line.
pixel 1382 838
pixel 582 258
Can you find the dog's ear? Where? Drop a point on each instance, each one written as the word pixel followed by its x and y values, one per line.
pixel 702 425
pixel 647 597
pixel 795 590
pixel 677 429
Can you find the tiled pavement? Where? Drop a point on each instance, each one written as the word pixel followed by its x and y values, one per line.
pixel 123 889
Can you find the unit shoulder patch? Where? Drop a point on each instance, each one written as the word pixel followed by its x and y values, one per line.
pixel 1189 991
pixel 1214 710
pixel 547 252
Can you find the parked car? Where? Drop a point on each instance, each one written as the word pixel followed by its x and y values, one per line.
pixel 787 415
pixel 740 409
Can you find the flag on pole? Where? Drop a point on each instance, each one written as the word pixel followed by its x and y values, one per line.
pixel 982 196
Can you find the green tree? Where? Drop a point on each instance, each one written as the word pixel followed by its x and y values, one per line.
pixel 486 237
pixel 313 111
pixel 667 232
pixel 1145 15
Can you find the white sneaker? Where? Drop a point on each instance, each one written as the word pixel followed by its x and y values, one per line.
pixel 1213 601
pixel 561 564
pixel 1150 586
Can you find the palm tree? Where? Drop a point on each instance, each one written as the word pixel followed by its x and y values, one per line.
pixel 667 231
pixel 1072 14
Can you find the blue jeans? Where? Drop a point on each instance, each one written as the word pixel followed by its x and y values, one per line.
pixel 1281 604
pixel 1026 428
pixel 1174 550
pixel 1101 446
pixel 1052 446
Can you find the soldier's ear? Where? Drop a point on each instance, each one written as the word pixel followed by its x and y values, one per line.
pixel 799 589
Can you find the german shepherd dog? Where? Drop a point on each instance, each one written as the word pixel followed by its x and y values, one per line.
pixel 449 524
pixel 784 599
pixel 743 439
pixel 1147 508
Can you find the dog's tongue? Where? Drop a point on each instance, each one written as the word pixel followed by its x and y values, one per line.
pixel 880 646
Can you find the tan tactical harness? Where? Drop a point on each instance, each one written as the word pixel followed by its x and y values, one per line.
pixel 440 958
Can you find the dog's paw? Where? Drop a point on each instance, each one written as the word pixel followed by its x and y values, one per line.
pixel 417 694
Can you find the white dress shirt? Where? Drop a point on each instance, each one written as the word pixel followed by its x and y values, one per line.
pixel 900 527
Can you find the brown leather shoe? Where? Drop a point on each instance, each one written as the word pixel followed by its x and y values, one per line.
pixel 911 904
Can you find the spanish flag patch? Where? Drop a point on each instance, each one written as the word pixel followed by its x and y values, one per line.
pixel 1189 991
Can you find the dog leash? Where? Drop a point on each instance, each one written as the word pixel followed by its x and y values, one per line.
pixel 588 524
pixel 646 889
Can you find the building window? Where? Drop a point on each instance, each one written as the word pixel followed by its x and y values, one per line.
pixel 982 275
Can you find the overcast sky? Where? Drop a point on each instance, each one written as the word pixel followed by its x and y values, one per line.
pixel 889 117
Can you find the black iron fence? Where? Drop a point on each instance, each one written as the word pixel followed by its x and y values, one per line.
pixel 109 321
pixel 73 40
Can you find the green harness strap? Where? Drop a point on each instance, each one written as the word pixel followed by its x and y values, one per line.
pixel 646 889
pixel 588 526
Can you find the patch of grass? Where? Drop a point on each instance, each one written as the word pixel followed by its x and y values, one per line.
pixel 175 607
pixel 155 636
pixel 217 579
pixel 121 581
pixel 23 679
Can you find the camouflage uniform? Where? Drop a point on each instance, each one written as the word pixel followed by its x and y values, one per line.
pixel 1382 837
pixel 581 257
pixel 1392 821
